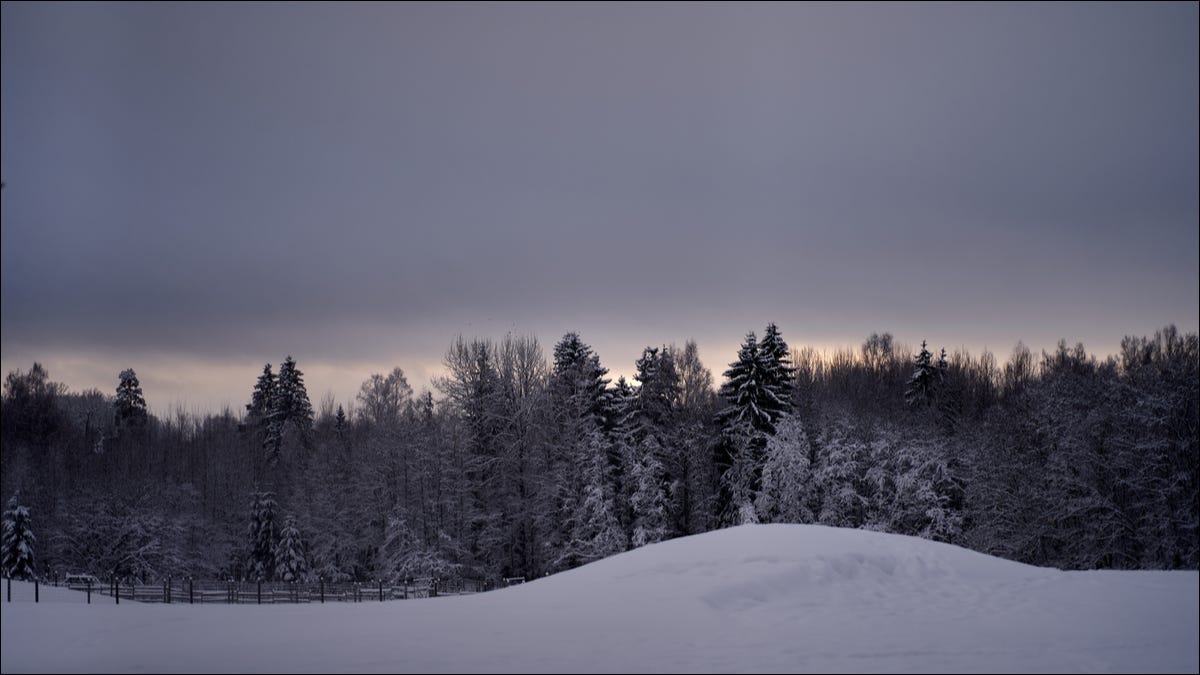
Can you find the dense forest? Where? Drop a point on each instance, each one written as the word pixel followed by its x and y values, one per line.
pixel 523 463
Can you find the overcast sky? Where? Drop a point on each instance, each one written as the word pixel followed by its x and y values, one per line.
pixel 194 190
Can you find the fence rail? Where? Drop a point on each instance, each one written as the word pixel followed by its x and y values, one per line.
pixel 196 591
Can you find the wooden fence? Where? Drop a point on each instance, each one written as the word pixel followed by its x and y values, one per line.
pixel 196 591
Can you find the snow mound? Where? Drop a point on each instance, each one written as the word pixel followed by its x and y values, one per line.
pixel 750 565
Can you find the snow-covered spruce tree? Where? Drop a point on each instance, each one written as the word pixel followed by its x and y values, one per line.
pixel 747 403
pixel 290 561
pixel 291 400
pixel 649 502
pixel 788 490
pixel 260 411
pixel 578 378
pixel 922 385
pixel 619 408
pixel 758 386
pixel 262 400
pixel 956 386
pixel 263 535
pixel 16 552
pixel 129 407
pixel 579 406
pixel 291 407
pixel 339 423
pixel 757 393
pixel 618 404
pixel 778 373
pixel 619 418
pixel 657 398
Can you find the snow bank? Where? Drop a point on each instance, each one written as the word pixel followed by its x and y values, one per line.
pixel 781 598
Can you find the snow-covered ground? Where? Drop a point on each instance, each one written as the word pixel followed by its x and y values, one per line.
pixel 753 598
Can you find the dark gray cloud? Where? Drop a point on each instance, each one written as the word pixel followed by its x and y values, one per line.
pixel 358 183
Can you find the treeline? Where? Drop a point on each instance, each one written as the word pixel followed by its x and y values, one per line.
pixel 525 463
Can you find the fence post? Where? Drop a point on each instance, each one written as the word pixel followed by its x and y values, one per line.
pixel 191 595
pixel 89 592
pixel 35 589
pixel 381 590
pixel 260 590
pixel 117 593
pixel 322 590
pixel 167 591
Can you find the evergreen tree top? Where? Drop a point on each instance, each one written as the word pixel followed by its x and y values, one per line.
pixel 16 551
pixel 758 385
pixel 921 389
pixel 578 378
pixel 659 392
pixel 14 508
pixel 925 356
pixel 130 405
pixel 572 352
pixel 775 350
pixel 129 389
pixel 574 358
pixel 774 344
pixel 291 402
pixel 262 399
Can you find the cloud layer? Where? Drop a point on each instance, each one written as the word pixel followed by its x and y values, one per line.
pixel 356 184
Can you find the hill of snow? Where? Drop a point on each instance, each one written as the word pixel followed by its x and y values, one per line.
pixel 783 598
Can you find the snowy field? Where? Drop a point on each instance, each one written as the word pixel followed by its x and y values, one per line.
pixel 781 598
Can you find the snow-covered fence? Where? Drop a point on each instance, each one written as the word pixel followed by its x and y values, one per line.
pixel 196 591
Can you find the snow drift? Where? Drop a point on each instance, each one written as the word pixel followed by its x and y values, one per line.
pixel 753 598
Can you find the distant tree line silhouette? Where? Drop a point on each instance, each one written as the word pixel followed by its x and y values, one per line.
pixel 523 463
